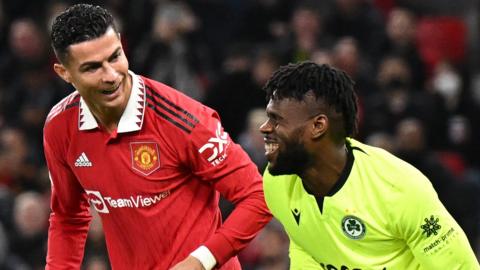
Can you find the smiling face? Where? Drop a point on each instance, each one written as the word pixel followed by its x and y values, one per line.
pixel 288 133
pixel 312 109
pixel 98 69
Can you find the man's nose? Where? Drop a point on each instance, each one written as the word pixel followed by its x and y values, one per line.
pixel 110 74
pixel 266 127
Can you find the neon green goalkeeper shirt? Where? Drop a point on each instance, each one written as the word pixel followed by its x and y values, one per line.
pixel 381 214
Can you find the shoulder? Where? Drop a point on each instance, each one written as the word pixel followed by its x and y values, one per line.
pixel 278 189
pixel 381 161
pixel 175 107
pixel 63 113
pixel 388 172
pixel 70 101
pixel 62 119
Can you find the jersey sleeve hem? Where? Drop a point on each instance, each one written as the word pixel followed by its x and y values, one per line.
pixel 220 248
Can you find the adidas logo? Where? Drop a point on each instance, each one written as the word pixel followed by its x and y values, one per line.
pixel 82 161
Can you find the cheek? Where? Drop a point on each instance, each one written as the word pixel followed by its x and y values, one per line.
pixel 283 136
pixel 122 65
pixel 84 83
pixel 88 81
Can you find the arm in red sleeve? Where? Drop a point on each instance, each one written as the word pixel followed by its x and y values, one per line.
pixel 224 164
pixel 243 187
pixel 70 216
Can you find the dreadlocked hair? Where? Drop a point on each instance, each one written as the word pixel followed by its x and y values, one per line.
pixel 81 22
pixel 331 85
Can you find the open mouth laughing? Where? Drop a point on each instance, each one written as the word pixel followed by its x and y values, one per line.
pixel 270 148
pixel 112 90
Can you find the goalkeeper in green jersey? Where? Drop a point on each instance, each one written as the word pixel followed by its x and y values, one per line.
pixel 344 204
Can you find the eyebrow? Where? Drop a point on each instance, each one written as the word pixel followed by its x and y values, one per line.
pixel 85 65
pixel 273 114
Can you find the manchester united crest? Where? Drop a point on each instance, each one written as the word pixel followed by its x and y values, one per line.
pixel 145 157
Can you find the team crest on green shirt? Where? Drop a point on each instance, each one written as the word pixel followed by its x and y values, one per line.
pixel 353 227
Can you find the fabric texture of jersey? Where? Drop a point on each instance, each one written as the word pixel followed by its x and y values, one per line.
pixel 155 182
pixel 381 214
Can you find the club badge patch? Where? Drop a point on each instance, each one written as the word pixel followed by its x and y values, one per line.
pixel 145 157
pixel 353 227
pixel 431 226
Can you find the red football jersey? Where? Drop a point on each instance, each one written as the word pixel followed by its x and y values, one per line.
pixel 155 182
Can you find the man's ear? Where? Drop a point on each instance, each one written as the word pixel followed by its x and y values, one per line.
pixel 320 126
pixel 62 72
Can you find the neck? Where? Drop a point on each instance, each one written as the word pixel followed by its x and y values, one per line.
pixel 109 117
pixel 320 178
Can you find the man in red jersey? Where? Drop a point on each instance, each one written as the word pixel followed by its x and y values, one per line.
pixel 151 161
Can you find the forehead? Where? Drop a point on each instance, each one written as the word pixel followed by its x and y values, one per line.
pixel 96 49
pixel 288 108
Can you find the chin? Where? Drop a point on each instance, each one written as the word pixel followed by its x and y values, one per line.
pixel 294 161
pixel 276 170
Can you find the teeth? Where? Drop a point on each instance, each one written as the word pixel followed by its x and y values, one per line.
pixel 270 148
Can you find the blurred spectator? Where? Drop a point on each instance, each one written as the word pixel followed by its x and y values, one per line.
pixel 9 261
pixel 269 251
pixel 218 21
pixel 382 140
pixel 307 35
pixel 460 152
pixel 166 55
pixel 395 100
pixel 447 82
pixel 96 257
pixel 13 154
pixel 27 101
pixel 27 47
pixel 238 88
pixel 252 141
pixel 322 56
pixel 28 90
pixel 28 240
pixel 347 56
pixel 53 10
pixel 264 21
pixel 97 263
pixel 135 17
pixel 273 245
pixel 6 207
pixel 400 41
pixel 19 168
pixel 358 19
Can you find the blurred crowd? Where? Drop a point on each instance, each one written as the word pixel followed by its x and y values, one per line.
pixel 415 64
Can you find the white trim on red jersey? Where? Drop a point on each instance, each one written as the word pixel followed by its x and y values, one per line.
pixel 132 117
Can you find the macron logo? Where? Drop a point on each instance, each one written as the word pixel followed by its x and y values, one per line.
pixel 82 161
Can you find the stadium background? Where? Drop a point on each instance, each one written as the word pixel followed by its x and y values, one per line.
pixel 416 64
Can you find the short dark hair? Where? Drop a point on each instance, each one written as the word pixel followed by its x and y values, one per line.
pixel 79 23
pixel 332 86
